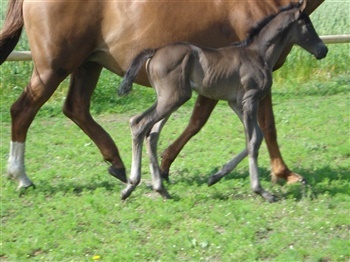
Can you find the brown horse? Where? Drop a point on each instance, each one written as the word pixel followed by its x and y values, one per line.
pixel 108 34
pixel 239 74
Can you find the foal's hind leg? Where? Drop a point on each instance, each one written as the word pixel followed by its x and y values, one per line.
pixel 172 97
pixel 140 126
pixel 40 88
pixel 229 166
pixel 202 109
pixel 151 145
pixel 77 108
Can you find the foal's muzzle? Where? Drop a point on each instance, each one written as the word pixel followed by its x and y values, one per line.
pixel 321 52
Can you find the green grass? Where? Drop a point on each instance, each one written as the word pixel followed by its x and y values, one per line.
pixel 76 214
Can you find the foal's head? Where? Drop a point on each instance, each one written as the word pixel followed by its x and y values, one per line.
pixel 290 22
pixel 304 34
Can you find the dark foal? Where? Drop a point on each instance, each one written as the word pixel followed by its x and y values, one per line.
pixel 239 74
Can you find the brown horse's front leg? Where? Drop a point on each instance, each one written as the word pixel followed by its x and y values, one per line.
pixel 200 114
pixel 267 124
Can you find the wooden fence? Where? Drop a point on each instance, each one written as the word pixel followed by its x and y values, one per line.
pixel 327 39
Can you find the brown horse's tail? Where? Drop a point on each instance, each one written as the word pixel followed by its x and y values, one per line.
pixel 10 33
pixel 133 70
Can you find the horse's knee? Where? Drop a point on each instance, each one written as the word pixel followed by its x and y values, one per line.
pixel 15 109
pixel 24 104
pixel 269 130
pixel 134 126
pixel 196 123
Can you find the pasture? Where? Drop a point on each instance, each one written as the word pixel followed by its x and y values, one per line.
pixel 76 214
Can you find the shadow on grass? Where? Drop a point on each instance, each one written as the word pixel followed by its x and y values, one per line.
pixel 325 180
pixel 76 188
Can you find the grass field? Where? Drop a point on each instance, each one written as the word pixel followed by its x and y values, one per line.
pixel 76 214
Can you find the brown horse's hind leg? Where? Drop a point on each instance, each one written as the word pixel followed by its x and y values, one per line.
pixel 267 124
pixel 40 88
pixel 200 114
pixel 77 108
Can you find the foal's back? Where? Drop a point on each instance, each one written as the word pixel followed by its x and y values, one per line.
pixel 221 74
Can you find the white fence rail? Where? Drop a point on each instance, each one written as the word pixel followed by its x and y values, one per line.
pixel 20 56
pixel 336 39
pixel 327 39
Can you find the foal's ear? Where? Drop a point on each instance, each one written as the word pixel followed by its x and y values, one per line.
pixel 302 4
pixel 301 7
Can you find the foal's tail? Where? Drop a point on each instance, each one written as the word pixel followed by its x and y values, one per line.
pixel 133 70
pixel 10 33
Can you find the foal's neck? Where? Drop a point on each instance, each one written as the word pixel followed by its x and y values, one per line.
pixel 272 41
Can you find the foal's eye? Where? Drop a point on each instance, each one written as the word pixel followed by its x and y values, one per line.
pixel 308 26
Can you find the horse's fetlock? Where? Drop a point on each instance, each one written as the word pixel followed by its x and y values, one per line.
pixel 257 189
pixel 134 182
pixel 158 188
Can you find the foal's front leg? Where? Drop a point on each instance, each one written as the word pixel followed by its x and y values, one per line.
pixel 254 137
pixel 135 173
pixel 140 125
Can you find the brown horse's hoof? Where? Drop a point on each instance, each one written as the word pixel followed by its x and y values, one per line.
pixel 289 176
pixel 118 173
pixel 165 175
pixel 294 178
pixel 302 181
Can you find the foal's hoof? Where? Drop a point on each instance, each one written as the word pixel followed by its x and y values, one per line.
pixel 127 192
pixel 23 189
pixel 213 180
pixel 118 173
pixel 269 197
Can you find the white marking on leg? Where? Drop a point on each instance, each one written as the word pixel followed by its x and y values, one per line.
pixel 137 143
pixel 16 168
pixel 152 143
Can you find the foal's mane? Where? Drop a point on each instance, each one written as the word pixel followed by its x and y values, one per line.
pixel 255 30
